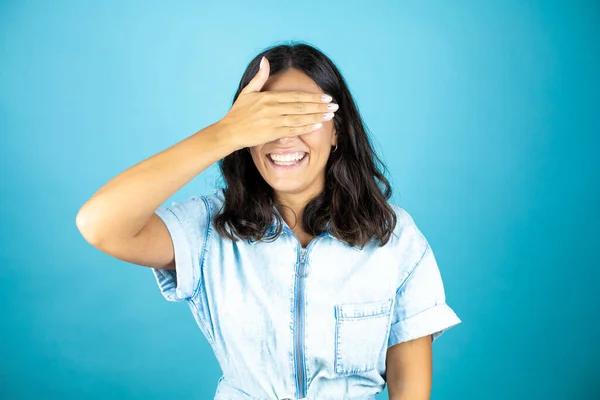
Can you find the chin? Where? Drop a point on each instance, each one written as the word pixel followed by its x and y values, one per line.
pixel 285 187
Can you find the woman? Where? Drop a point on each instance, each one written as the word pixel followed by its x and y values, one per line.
pixel 306 281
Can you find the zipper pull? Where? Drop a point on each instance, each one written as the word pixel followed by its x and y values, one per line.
pixel 301 267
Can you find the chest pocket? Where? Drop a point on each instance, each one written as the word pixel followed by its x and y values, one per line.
pixel 360 333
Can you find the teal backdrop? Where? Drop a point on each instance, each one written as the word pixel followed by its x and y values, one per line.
pixel 486 114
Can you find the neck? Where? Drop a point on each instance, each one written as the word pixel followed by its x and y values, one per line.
pixel 294 203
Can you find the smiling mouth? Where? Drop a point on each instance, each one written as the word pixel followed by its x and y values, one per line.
pixel 285 164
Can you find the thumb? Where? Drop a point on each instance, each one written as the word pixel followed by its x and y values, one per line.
pixel 256 84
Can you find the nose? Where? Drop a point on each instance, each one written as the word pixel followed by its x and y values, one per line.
pixel 286 140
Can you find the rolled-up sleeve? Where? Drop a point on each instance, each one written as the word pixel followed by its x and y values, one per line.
pixel 188 223
pixel 420 307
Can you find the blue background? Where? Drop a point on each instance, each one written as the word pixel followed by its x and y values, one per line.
pixel 485 112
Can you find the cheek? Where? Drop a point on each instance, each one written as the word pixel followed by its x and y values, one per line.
pixel 323 134
pixel 318 141
pixel 255 152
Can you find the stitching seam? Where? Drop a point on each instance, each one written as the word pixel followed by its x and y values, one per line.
pixel 413 269
pixel 205 243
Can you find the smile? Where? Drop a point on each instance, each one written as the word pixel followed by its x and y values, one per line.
pixel 287 165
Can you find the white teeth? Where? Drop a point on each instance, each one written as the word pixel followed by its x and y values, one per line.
pixel 288 157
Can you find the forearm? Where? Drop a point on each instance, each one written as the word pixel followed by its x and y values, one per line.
pixel 122 207
pixel 410 390
pixel 409 397
pixel 409 369
pixel 418 394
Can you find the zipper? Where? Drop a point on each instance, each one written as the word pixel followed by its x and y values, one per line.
pixel 299 332
pixel 299 359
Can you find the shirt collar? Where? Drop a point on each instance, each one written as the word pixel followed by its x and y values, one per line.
pixel 286 229
pixel 273 227
pixel 220 192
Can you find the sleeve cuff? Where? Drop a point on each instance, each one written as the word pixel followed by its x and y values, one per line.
pixel 176 285
pixel 432 321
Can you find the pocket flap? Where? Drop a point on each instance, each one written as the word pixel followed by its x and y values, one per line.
pixel 359 310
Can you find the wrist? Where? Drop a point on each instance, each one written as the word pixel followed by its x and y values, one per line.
pixel 219 137
pixel 223 135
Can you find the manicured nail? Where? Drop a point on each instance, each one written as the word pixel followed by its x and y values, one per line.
pixel 333 106
pixel 317 126
pixel 327 116
pixel 262 62
pixel 326 98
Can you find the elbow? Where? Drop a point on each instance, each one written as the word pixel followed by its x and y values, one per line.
pixel 84 224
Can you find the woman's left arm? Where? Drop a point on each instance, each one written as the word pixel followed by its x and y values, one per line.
pixel 408 369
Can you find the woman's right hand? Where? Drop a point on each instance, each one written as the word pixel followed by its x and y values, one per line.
pixel 259 117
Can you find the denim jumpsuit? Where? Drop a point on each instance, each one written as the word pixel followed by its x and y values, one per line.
pixel 314 323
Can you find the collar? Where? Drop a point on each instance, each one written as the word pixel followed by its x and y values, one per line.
pixel 287 230
pixel 220 194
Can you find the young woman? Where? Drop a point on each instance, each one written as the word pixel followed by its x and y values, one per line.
pixel 306 281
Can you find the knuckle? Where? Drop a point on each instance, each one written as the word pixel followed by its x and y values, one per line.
pixel 260 98
pixel 266 97
pixel 300 107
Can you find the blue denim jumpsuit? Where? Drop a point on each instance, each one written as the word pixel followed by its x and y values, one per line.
pixel 287 322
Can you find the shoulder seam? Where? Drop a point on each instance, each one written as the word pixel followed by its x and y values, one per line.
pixel 414 268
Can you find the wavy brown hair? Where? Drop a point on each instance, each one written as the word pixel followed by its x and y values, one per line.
pixel 356 191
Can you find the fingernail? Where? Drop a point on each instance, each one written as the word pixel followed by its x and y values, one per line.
pixel 317 126
pixel 326 98
pixel 327 116
pixel 262 62
pixel 333 106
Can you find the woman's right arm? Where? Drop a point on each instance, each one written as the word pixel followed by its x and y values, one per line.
pixel 119 218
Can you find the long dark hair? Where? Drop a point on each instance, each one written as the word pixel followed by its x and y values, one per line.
pixel 356 191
